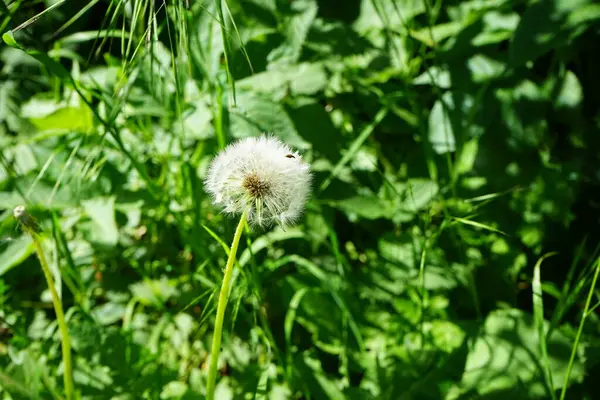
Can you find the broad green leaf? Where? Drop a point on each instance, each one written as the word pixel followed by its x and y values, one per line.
pixel 109 313
pixel 441 133
pixel 15 253
pixel 174 390
pixel 436 76
pixel 467 157
pixel 497 27
pixel 399 250
pixel 56 68
pixel 446 335
pixel 197 121
pixel 434 35
pixel 549 24
pixel 295 29
pixel 419 194
pixel 378 15
pixel 153 292
pixel 297 79
pixel 365 206
pixel 25 160
pixel 317 381
pixel 484 68
pixel 66 119
pixel 256 114
pixel 505 357
pixel 101 211
pixel 571 92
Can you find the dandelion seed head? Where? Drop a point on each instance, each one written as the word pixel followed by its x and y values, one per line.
pixel 18 212
pixel 263 176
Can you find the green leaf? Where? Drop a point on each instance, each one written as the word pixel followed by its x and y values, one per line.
pixel 315 378
pixel 447 335
pixel 256 114
pixel 43 58
pixel 197 122
pixel 48 114
pixel 498 27
pixel 435 76
pixel 298 79
pixel 174 390
pixel 109 313
pixel 378 15
pixel 399 250
pixel 484 68
pixel 9 39
pixel 506 358
pixel 17 251
pixel 431 36
pixel 296 29
pixel 104 229
pixel 441 133
pixel 153 292
pixel 571 92
pixel 368 207
pixel 549 24
pixel 538 314
pixel 66 119
pixel 419 194
pixel 468 155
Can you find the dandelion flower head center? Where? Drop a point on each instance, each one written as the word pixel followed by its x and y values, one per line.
pixel 256 187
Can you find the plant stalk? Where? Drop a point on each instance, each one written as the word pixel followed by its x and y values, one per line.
pixel 222 304
pixel 563 392
pixel 60 315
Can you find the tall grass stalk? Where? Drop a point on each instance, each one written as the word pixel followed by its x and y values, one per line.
pixel 28 226
pixel 221 305
pixel 578 336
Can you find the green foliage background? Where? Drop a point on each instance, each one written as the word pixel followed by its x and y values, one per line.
pixel 454 144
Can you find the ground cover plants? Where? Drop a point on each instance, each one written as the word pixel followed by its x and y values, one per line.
pixel 448 247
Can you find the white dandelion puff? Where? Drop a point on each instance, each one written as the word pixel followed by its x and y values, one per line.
pixel 19 212
pixel 263 176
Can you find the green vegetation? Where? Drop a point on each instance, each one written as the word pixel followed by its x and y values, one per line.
pixel 450 249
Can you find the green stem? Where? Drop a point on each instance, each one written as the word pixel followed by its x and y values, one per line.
pixel 223 298
pixel 60 317
pixel 577 337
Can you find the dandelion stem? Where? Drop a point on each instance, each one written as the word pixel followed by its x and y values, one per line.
pixel 60 315
pixel 223 298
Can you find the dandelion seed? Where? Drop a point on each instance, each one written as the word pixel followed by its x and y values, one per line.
pixel 263 176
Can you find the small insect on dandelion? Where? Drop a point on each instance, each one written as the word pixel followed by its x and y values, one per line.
pixel 262 176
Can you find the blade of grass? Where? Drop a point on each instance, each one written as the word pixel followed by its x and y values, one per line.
pixel 62 73
pixel 38 16
pixel 75 17
pixel 478 225
pixel 584 316
pixel 538 314
pixel 226 50
pixel 288 325
pixel 326 282
pixel 354 147
pixel 239 37
pixel 568 300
